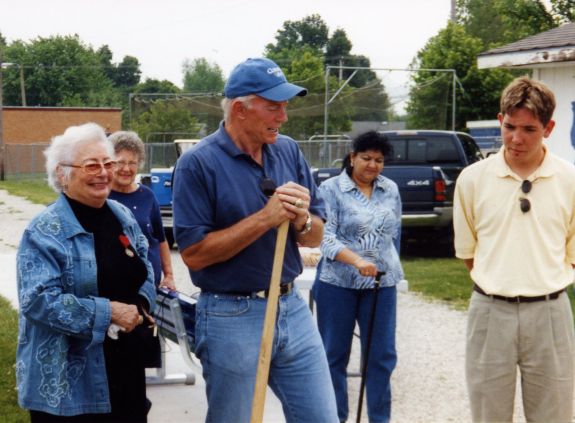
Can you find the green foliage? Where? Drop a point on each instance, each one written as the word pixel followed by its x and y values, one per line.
pixel 481 25
pixel 498 22
pixel 165 121
pixel 9 409
pixel 202 76
pixel 444 279
pixel 59 71
pixel 310 32
pixel 563 10
pixel 302 49
pixel 152 86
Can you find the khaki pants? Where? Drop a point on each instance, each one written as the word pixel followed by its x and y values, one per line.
pixel 536 337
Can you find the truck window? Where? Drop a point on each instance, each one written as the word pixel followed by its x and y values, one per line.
pixel 432 149
pixel 470 148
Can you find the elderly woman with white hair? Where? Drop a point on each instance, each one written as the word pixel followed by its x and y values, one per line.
pixel 86 290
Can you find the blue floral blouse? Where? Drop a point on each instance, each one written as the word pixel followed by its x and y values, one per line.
pixel 370 227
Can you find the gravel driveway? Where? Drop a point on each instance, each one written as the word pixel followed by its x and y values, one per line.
pixel 428 384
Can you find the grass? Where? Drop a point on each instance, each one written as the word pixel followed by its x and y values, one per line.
pixel 444 279
pixel 447 280
pixel 9 409
pixel 35 190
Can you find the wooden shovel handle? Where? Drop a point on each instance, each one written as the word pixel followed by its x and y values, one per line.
pixel 269 327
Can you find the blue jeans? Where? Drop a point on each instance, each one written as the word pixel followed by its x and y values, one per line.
pixel 337 311
pixel 228 335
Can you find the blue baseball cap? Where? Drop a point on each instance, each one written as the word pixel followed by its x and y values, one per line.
pixel 262 77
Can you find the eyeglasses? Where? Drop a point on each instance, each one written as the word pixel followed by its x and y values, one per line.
pixel 92 167
pixel 131 165
pixel 524 203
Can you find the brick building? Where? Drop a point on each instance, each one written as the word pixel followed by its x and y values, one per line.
pixel 26 125
pixel 28 130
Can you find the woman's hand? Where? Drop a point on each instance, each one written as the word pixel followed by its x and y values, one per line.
pixel 168 282
pixel 125 315
pixel 365 268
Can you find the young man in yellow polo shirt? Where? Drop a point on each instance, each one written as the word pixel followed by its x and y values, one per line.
pixel 514 220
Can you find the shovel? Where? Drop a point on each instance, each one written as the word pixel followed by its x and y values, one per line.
pixel 264 359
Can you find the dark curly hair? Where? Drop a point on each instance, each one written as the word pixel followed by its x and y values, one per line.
pixel 371 140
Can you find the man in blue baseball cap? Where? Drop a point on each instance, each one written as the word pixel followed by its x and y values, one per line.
pixel 225 227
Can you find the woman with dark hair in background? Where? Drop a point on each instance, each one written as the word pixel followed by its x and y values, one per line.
pixel 361 238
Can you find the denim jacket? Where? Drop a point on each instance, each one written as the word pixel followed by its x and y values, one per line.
pixel 60 366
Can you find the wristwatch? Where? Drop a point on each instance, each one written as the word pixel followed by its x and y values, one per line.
pixel 307 225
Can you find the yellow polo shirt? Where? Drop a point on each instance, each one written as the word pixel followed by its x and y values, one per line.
pixel 516 253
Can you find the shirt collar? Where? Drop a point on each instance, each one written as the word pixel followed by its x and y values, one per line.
pixel 347 184
pixel 503 170
pixel 227 144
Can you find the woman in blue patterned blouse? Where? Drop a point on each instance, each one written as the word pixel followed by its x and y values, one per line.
pixel 361 237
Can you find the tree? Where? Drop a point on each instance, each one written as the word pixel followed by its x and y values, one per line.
pixel 166 121
pixel 311 32
pixel 481 25
pixel 430 102
pixel 563 10
pixel 202 76
pixel 302 49
pixel 152 86
pixel 59 71
pixel 127 73
pixel 498 22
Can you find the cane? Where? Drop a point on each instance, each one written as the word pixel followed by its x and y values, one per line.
pixel 268 187
pixel 368 345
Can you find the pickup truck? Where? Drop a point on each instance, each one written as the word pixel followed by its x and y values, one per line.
pixel 424 164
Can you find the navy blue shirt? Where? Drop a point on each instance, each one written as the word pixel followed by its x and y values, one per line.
pixel 215 186
pixel 144 206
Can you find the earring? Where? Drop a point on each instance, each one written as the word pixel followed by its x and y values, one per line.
pixel 351 164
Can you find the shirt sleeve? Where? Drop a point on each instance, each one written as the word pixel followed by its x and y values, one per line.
pixel 463 219
pixel 156 221
pixel 192 204
pixel 43 297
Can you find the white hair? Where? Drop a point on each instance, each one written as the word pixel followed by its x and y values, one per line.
pixel 64 148
pixel 227 103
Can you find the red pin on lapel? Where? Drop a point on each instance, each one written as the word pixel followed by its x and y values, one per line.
pixel 126 244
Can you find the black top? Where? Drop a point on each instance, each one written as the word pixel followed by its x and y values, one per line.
pixel 121 272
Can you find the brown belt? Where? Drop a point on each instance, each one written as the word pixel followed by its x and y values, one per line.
pixel 520 299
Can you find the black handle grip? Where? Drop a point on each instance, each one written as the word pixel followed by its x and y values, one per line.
pixel 380 273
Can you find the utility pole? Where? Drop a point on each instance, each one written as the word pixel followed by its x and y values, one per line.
pixel 452 15
pixel 22 89
pixel 1 127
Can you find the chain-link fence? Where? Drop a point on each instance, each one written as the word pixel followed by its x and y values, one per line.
pixel 26 161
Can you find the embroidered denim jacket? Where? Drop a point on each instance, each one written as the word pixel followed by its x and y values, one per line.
pixel 60 366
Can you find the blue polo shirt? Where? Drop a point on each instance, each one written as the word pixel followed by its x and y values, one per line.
pixel 215 186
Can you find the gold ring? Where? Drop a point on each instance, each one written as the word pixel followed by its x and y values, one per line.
pixel 298 203
pixel 140 319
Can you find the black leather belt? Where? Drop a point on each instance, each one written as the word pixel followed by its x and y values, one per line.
pixel 520 299
pixel 285 289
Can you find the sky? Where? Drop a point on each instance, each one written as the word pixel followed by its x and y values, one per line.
pixel 162 34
